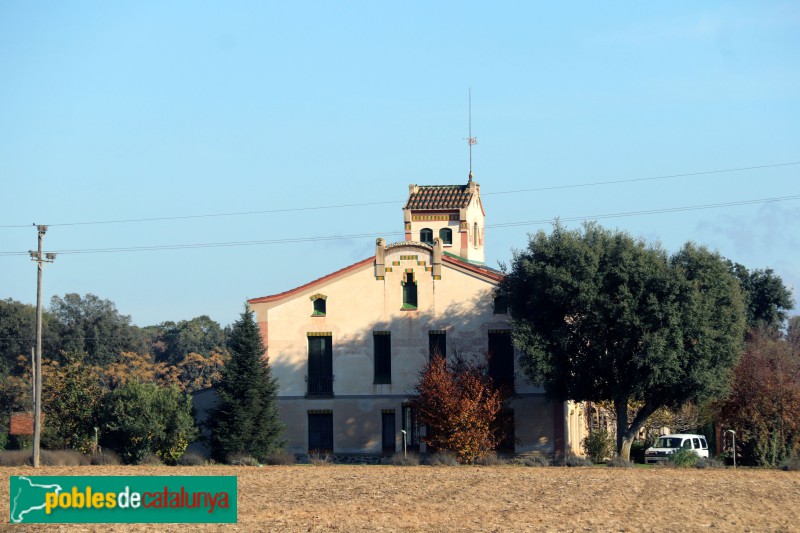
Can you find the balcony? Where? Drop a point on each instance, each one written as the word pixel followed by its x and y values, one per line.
pixel 319 386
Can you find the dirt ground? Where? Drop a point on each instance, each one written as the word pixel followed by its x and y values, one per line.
pixel 502 498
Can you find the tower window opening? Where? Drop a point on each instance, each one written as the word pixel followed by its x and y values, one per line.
pixel 426 236
pixel 446 234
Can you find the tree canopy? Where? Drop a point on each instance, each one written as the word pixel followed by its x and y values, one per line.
pixel 18 333
pixel 93 326
pixel 600 316
pixel 200 335
pixel 766 298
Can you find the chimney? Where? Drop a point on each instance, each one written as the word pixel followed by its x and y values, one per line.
pixel 436 271
pixel 380 262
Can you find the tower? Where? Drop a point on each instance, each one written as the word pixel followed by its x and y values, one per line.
pixel 452 213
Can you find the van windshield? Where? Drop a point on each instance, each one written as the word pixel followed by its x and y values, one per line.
pixel 668 442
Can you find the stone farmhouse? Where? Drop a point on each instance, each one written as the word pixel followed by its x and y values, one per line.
pixel 347 348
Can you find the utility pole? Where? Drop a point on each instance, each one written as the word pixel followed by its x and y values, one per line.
pixel 37 409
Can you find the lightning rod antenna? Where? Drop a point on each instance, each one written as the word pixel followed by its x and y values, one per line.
pixel 471 141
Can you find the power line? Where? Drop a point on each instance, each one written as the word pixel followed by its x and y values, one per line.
pixel 700 207
pixel 634 180
pixel 208 215
pixel 649 211
pixel 385 202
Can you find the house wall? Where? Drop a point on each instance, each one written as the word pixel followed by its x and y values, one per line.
pixel 358 303
pixel 431 221
pixel 474 215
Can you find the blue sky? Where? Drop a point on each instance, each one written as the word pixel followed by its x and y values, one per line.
pixel 141 110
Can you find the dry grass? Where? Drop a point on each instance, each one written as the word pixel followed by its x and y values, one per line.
pixel 501 498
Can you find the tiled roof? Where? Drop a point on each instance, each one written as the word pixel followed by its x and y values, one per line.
pixel 439 197
pixel 311 284
pixel 488 272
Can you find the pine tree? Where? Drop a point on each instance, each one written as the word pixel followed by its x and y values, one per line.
pixel 246 416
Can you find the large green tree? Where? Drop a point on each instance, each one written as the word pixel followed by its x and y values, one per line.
pixel 600 316
pixel 246 418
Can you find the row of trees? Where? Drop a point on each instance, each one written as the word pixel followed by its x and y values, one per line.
pixel 88 405
pixel 139 404
pixel 188 354
pixel 92 326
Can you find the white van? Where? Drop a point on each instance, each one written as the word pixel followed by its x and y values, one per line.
pixel 669 444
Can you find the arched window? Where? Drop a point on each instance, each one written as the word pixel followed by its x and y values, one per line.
pixel 475 234
pixel 409 292
pixel 446 234
pixel 319 304
pixel 426 236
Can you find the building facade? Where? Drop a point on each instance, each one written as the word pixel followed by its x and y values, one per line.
pixel 347 348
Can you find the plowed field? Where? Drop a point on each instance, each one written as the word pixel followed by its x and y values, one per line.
pixel 504 498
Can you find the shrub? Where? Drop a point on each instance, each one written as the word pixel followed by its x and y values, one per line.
pixel 280 457
pixel 442 459
pixel 241 459
pixel 319 459
pixel 144 418
pixel 619 462
pixel 16 458
pixel 460 405
pixel 491 460
pixel 532 460
pixel 411 459
pixel 637 450
pixel 683 458
pixel 706 462
pixel 62 458
pixel 20 442
pixel 151 459
pixel 192 459
pixel 46 458
pixel 598 445
pixel 106 458
pixel 574 460
pixel 791 465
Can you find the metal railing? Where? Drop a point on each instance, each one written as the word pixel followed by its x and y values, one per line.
pixel 319 385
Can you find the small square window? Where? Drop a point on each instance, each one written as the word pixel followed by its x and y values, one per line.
pixel 319 307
